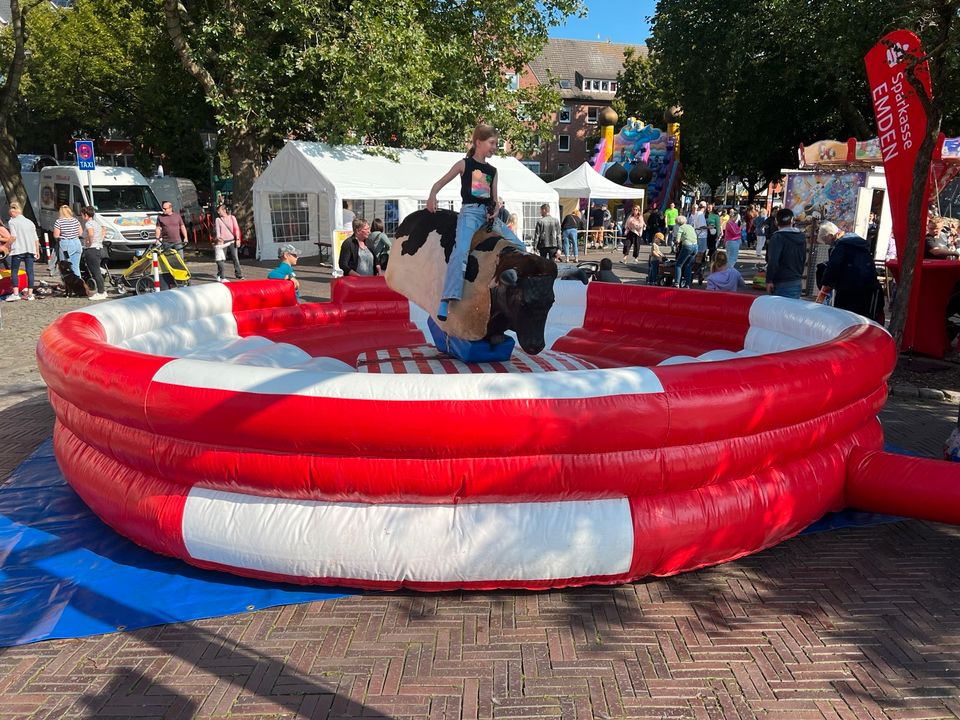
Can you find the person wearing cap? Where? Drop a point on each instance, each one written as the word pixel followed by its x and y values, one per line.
pixel 284 271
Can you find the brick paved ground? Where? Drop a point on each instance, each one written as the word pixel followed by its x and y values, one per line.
pixel 858 623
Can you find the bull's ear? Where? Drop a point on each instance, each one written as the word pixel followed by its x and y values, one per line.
pixel 509 277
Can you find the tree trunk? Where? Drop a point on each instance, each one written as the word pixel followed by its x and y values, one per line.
pixel 10 176
pixel 915 230
pixel 244 150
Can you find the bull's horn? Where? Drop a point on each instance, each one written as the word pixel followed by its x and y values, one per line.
pixel 509 277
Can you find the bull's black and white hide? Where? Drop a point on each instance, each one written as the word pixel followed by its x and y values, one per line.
pixel 504 289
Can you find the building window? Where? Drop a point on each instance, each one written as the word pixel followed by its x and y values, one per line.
pixel 565 85
pixel 513 81
pixel 592 114
pixel 565 114
pixel 289 217
pixel 604 86
pixel 563 143
pixel 533 165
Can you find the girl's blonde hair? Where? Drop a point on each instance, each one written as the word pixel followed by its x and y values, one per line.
pixel 719 261
pixel 65 211
pixel 480 133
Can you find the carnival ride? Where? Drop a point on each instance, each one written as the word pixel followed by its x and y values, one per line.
pixel 661 431
pixel 641 155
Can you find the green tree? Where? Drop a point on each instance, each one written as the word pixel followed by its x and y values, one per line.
pixel 939 25
pixel 758 79
pixel 640 92
pixel 103 68
pixel 13 53
pixel 392 72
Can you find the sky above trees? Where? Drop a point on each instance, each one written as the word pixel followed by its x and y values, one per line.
pixel 619 21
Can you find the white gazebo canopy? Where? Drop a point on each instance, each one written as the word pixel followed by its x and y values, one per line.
pixel 298 198
pixel 585 182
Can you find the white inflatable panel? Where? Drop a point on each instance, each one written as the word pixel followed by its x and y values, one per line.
pixel 184 339
pixel 426 543
pixel 140 314
pixel 779 324
pixel 362 386
pixel 228 348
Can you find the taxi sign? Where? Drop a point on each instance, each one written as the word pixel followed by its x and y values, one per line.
pixel 85 158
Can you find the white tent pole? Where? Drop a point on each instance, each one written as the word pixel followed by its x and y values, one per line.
pixel 586 237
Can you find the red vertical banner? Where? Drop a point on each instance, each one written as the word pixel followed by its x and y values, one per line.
pixel 901 124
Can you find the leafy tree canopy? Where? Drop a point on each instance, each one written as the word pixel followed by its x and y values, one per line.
pixel 756 80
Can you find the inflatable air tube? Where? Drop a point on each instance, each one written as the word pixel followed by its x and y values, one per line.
pixel 660 431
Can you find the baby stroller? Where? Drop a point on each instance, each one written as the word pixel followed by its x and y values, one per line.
pixel 138 277
pixel 666 273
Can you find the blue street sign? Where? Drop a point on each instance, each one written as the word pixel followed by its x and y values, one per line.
pixel 85 158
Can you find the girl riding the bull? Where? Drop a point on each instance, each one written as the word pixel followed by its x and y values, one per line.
pixel 478 194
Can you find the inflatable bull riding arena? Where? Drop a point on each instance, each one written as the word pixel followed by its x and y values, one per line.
pixel 638 431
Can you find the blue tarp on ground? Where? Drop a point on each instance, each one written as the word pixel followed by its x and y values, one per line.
pixel 64 574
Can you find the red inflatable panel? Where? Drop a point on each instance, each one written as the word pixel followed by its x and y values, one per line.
pixel 901 485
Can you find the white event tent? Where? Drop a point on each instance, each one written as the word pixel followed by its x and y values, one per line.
pixel 299 197
pixel 585 182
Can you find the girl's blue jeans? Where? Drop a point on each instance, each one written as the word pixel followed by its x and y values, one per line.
pixel 472 218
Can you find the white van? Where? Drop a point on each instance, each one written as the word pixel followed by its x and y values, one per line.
pixel 182 193
pixel 123 199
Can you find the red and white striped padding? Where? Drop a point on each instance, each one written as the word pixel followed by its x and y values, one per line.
pixel 227 425
pixel 427 360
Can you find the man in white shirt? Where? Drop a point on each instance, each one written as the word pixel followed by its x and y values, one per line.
pixel 24 249
pixel 699 223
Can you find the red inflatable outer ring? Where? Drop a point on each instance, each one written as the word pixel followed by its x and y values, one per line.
pixel 714 461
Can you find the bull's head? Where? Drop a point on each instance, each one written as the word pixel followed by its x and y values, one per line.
pixel 521 303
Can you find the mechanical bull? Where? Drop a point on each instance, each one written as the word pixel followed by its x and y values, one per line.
pixel 504 289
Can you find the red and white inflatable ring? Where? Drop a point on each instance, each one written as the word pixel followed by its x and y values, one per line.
pixel 663 431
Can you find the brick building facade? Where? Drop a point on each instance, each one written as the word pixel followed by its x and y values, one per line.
pixel 587 73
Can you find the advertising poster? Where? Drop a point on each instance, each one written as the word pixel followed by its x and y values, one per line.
pixel 831 195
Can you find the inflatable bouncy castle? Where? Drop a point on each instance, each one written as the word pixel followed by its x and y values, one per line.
pixel 641 155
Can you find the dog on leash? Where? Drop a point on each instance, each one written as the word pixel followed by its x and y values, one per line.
pixel 73 284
